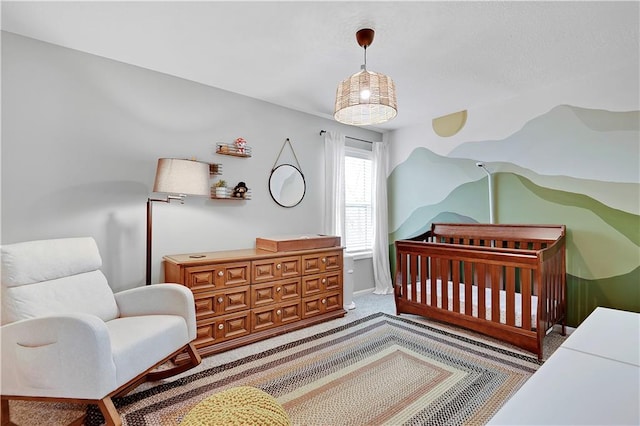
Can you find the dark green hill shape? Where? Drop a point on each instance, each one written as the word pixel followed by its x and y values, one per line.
pixel 627 224
pixel 619 292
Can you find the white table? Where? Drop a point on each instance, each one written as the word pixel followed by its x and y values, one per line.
pixel 593 378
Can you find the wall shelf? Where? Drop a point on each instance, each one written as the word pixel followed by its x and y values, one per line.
pixel 233 150
pixel 229 196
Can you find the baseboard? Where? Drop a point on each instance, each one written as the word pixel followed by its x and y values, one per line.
pixel 365 291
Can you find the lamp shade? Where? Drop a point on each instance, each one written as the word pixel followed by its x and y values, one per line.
pixel 175 176
pixel 366 98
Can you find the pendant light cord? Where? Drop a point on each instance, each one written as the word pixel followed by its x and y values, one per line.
pixel 364 67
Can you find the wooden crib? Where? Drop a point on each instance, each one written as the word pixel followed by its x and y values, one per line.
pixel 505 281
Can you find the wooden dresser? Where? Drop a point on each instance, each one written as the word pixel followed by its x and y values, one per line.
pixel 243 296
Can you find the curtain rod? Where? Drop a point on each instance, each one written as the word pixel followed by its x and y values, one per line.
pixel 322 132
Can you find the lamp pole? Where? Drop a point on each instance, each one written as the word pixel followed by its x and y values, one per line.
pixel 150 227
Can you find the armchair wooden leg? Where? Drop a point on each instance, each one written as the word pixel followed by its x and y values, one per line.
pixel 194 360
pixel 111 416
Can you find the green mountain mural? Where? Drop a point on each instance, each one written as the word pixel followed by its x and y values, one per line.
pixel 573 166
pixel 601 242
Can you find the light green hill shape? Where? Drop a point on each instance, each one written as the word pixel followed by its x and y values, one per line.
pixel 426 178
pixel 469 200
pixel 571 141
pixel 596 248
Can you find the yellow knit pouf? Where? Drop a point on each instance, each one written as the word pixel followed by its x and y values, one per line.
pixel 244 405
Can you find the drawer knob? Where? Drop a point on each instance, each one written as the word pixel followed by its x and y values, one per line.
pixel 279 288
pixel 220 273
pixel 278 312
pixel 220 327
pixel 278 266
pixel 324 301
pixel 324 280
pixel 220 299
pixel 324 260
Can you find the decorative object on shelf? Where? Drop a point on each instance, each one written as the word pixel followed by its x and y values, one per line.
pixel 240 190
pixel 240 144
pixel 221 189
pixel 177 178
pixel 366 97
pixel 286 183
pixel 233 149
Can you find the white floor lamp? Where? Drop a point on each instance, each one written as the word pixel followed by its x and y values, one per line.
pixel 177 178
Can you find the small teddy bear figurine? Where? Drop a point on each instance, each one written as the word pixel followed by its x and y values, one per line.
pixel 240 190
pixel 240 145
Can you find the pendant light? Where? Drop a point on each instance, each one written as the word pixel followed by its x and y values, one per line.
pixel 366 97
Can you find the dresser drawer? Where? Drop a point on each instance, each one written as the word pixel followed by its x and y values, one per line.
pixel 275 269
pixel 218 329
pixel 210 277
pixel 211 303
pixel 265 318
pixel 321 283
pixel 321 262
pixel 275 292
pixel 320 304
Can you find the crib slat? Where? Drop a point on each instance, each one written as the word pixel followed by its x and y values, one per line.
pixel 455 279
pixel 468 289
pixel 525 291
pixel 480 270
pixel 444 282
pixel 424 276
pixel 435 267
pixel 402 268
pixel 511 296
pixel 494 271
pixel 414 275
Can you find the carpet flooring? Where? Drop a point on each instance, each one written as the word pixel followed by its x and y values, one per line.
pixel 370 360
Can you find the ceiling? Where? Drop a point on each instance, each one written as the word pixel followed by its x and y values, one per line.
pixel 443 56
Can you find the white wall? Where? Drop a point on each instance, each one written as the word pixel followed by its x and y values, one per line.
pixel 81 136
pixel 616 90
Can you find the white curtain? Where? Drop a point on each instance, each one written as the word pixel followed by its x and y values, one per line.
pixel 381 268
pixel 334 210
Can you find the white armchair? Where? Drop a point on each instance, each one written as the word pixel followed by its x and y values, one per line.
pixel 67 337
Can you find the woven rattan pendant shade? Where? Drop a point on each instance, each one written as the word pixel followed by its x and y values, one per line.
pixel 366 97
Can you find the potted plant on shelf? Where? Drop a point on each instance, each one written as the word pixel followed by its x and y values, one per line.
pixel 221 188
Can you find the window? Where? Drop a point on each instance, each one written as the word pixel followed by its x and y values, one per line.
pixel 358 195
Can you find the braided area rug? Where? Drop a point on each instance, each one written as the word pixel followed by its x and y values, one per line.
pixel 379 370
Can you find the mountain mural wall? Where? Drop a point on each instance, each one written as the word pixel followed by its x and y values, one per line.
pixel 571 166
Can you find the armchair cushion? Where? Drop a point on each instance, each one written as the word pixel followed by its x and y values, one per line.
pixel 44 260
pixel 52 277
